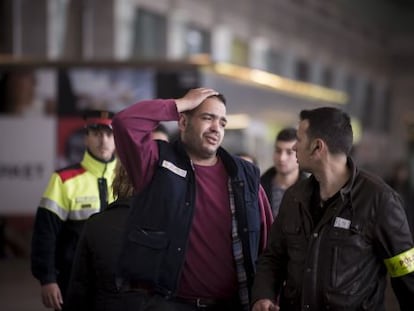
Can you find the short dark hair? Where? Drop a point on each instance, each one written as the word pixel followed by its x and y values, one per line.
pixel 286 134
pixel 332 125
pixel 220 97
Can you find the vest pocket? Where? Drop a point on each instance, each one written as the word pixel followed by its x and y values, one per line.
pixel 143 254
pixel 149 238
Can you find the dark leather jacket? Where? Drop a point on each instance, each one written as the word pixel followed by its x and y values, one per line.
pixel 338 264
pixel 159 224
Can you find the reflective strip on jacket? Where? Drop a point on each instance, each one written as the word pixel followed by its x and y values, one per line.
pixel 70 198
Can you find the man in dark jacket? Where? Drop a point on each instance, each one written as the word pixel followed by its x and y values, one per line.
pixel 285 170
pixel 338 232
pixel 200 217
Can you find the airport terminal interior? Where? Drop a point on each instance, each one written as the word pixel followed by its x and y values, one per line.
pixel 270 58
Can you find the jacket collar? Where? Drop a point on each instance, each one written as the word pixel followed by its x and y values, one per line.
pixel 119 203
pixel 96 167
pixel 227 158
pixel 349 185
pixel 269 174
pixel 310 184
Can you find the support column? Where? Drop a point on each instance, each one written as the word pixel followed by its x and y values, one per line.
pixel 99 33
pixel 124 29
pixel 259 53
pixel 56 28
pixel 176 34
pixel 6 27
pixel 72 41
pixel 221 44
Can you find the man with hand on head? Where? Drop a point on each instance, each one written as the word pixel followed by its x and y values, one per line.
pixel 73 194
pixel 200 218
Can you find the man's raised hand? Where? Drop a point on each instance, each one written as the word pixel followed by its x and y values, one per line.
pixel 193 98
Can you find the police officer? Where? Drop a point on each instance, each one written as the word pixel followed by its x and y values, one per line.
pixel 73 194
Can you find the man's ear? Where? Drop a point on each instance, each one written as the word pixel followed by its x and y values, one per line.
pixel 182 121
pixel 316 146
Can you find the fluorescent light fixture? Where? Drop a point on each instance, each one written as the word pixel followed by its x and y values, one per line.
pixel 292 87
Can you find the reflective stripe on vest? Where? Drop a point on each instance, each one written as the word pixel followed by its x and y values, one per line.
pixel 52 206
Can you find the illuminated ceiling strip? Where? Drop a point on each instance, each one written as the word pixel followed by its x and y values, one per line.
pixel 302 89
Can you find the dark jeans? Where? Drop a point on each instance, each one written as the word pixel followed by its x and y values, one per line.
pixel 158 303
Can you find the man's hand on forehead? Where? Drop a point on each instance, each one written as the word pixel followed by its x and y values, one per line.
pixel 194 98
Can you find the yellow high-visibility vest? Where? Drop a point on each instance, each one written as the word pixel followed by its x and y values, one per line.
pixel 73 192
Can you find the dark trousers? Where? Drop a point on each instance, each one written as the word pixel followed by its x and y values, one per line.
pixel 158 303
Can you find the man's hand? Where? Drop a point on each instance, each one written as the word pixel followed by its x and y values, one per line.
pixel 265 305
pixel 51 296
pixel 193 98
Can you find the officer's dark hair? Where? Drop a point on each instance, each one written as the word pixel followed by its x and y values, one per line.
pixel 286 134
pixel 332 125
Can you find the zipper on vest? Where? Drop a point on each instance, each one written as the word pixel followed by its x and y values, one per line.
pixel 103 190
